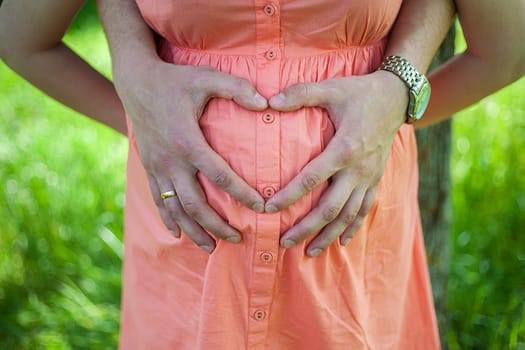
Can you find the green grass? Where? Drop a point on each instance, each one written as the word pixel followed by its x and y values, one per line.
pixel 62 188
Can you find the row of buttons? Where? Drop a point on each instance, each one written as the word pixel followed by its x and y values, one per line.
pixel 266 258
pixel 269 10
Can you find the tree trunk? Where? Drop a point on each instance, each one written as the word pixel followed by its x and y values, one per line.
pixel 434 198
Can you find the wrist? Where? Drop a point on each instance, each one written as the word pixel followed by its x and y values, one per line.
pixel 416 83
pixel 397 92
pixel 135 69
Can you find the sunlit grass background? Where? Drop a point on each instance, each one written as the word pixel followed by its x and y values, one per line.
pixel 62 189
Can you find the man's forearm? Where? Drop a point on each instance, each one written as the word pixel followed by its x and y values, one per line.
pixel 131 41
pixel 418 31
pixel 420 28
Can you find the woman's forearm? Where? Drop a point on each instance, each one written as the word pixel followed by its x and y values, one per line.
pixel 495 57
pixel 45 61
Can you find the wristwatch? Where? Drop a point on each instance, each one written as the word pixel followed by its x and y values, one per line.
pixel 418 86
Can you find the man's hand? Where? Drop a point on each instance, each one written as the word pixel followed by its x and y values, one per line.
pixel 165 104
pixel 366 112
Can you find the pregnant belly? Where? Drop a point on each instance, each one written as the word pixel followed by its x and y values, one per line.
pixel 267 149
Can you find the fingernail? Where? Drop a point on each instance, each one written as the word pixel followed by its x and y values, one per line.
pixel 260 101
pixel 278 99
pixel 234 239
pixel 175 234
pixel 258 208
pixel 346 241
pixel 288 243
pixel 315 252
pixel 206 248
pixel 271 209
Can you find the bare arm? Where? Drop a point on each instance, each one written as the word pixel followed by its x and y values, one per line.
pixel 31 44
pixel 419 30
pixel 495 56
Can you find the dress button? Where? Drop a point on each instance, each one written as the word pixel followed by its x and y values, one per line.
pixel 269 10
pixel 268 191
pixel 266 257
pixel 259 315
pixel 268 118
pixel 271 54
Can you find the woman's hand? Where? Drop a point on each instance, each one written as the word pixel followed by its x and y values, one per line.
pixel 165 102
pixel 366 111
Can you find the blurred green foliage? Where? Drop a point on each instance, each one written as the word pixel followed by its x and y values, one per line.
pixel 62 189
pixel 487 279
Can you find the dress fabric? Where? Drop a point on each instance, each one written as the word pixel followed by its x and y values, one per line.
pixel 371 294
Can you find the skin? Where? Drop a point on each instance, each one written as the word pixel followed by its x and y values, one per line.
pixel 49 64
pixel 141 80
pixel 494 58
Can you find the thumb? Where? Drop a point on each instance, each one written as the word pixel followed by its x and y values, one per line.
pixel 297 96
pixel 238 89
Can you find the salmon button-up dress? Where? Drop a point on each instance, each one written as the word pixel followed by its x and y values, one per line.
pixel 373 293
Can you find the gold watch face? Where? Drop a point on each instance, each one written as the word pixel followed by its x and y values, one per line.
pixel 418 101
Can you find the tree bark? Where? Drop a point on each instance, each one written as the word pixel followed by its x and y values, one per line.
pixel 434 198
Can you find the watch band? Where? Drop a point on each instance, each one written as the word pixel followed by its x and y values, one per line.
pixel 403 69
pixel 418 86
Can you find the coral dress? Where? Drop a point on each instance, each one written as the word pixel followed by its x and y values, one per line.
pixel 372 294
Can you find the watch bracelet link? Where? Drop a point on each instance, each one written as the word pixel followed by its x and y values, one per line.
pixel 415 81
pixel 402 68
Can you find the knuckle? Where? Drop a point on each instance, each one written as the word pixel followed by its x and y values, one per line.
pixel 301 90
pixel 362 168
pixel 192 208
pixel 330 213
pixel 222 179
pixel 194 153
pixel 349 150
pixel 200 81
pixel 184 146
pixel 310 181
pixel 242 84
pixel 348 218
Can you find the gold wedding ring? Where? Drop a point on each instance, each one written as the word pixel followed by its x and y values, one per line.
pixel 167 194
